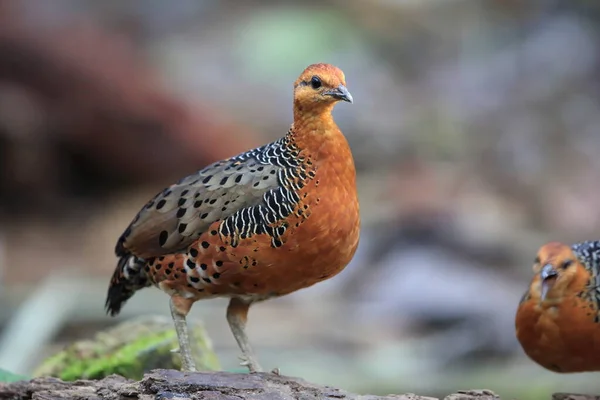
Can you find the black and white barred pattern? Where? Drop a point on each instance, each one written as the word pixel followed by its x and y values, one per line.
pixel 588 253
pixel 281 153
pixel 277 203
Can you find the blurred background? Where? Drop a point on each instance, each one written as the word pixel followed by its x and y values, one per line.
pixel 475 135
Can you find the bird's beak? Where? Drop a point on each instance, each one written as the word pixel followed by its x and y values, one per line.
pixel 548 275
pixel 340 93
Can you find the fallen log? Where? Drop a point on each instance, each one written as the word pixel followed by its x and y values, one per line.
pixel 171 384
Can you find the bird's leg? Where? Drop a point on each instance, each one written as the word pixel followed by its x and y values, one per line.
pixel 237 315
pixel 179 309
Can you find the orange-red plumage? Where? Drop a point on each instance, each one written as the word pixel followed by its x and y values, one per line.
pixel 558 321
pixel 262 224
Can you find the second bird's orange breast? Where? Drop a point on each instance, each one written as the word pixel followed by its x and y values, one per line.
pixel 563 337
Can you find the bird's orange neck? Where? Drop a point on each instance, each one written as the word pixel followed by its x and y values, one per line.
pixel 315 130
pixel 311 112
pixel 318 136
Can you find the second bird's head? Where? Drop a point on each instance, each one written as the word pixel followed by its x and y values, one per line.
pixel 320 85
pixel 558 272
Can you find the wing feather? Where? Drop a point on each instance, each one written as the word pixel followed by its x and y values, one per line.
pixel 179 214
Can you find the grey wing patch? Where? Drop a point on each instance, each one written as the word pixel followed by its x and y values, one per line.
pixel 588 253
pixel 178 215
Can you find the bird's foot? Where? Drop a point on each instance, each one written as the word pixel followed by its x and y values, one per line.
pixel 187 362
pixel 275 371
pixel 188 366
pixel 250 363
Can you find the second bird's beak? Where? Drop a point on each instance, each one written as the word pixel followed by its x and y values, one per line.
pixel 548 275
pixel 340 93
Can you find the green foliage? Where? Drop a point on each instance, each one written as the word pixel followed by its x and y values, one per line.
pixel 129 349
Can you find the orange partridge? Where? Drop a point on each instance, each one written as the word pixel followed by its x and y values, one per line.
pixel 259 225
pixel 558 318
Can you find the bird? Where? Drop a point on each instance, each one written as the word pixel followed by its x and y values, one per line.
pixel 558 318
pixel 259 225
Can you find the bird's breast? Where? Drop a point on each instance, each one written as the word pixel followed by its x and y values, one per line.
pixel 562 337
pixel 321 235
pixel 329 222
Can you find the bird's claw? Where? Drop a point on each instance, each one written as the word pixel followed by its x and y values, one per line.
pixel 250 364
pixel 276 371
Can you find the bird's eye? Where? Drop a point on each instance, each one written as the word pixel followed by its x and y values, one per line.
pixel 567 263
pixel 537 260
pixel 315 82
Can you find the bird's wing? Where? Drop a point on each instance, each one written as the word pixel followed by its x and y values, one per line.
pixel 178 215
pixel 588 253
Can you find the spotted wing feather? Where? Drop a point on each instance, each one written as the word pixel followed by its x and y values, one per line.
pixel 588 253
pixel 182 212
pixel 249 193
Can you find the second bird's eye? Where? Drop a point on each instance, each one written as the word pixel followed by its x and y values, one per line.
pixel 315 82
pixel 567 263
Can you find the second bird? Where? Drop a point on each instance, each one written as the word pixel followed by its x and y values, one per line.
pixel 558 318
pixel 259 225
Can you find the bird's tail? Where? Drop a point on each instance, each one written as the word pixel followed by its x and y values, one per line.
pixel 129 277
